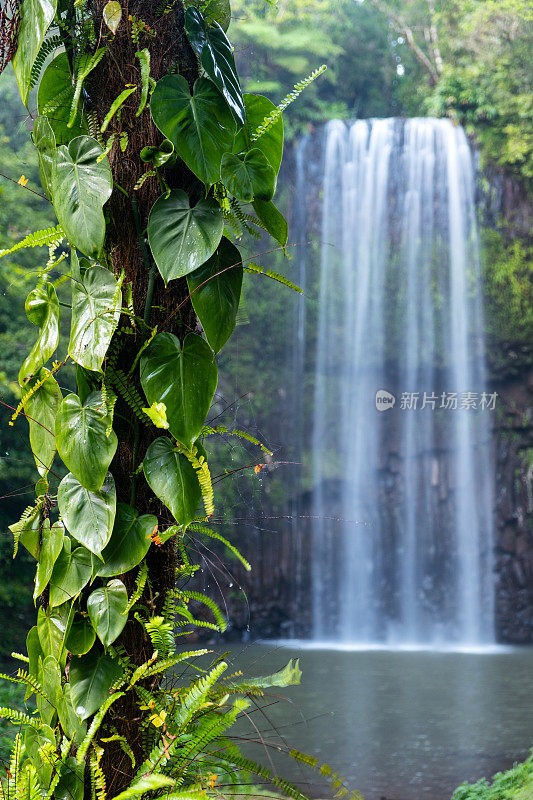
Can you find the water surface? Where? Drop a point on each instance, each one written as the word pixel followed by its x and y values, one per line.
pixel 400 725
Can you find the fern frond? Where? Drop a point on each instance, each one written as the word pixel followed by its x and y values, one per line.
pixel 167 663
pixel 209 731
pixel 19 717
pixel 256 269
pixel 97 774
pixel 128 392
pixel 140 583
pixel 161 635
pixel 20 657
pixel 201 467
pixel 197 694
pixel 287 100
pixel 44 238
pixel 206 601
pixel 47 48
pixel 95 724
pixel 222 430
pixel 197 528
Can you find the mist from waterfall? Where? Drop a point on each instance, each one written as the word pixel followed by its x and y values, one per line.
pixel 402 498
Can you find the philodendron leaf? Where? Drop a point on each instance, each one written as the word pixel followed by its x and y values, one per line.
pixel 81 635
pixel 201 127
pixel 112 14
pixel 273 220
pixel 271 142
pixel 248 176
pixel 184 378
pixel 54 100
pixel 41 412
pixel 129 542
pixel 71 784
pixel 52 627
pixel 88 516
pixel 81 184
pixel 212 46
pixel 42 309
pixel 182 237
pixel 107 610
pixel 82 441
pixel 219 11
pixel 72 571
pixel 91 677
pixel 172 478
pixel 35 18
pixel 215 291
pixel 45 144
pixel 96 303
pixel 52 544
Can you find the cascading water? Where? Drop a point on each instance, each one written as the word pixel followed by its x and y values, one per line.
pixel 402 498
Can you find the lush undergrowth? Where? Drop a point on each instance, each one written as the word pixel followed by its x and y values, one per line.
pixel 515 784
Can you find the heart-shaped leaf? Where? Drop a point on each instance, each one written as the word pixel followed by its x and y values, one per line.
pixel 45 144
pixel 53 625
pixel 35 18
pixel 81 636
pixel 52 544
pixel 182 237
pixel 112 14
pixel 82 441
pixel 80 187
pixel 91 677
pixel 183 378
pixel 249 175
pixel 201 127
pixel 215 293
pixel 72 572
pixel 160 155
pixel 41 411
pixel 42 309
pixel 172 478
pixel 107 611
pixel 96 303
pixel 34 739
pixel 273 220
pixel 54 100
pixel 271 142
pixel 129 541
pixel 89 516
pixel 216 56
pixel 71 784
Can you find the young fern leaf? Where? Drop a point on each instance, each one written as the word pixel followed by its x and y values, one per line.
pixel 45 238
pixel 221 430
pixel 256 269
pixel 206 601
pixel 19 717
pixel 287 100
pixel 197 528
pixel 140 583
pixel 200 466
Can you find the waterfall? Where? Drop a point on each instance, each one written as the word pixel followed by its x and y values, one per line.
pixel 402 493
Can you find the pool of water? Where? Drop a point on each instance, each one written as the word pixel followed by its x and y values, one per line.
pixel 401 725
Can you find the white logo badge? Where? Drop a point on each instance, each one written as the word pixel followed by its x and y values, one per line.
pixel 384 400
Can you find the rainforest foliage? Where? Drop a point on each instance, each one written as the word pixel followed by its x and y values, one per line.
pixel 153 165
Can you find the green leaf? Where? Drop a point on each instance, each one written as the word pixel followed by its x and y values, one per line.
pixel 271 142
pixel 96 304
pixel 290 675
pixel 273 220
pixel 35 18
pixel 248 176
pixel 52 544
pixel 216 56
pixel 182 238
pixel 54 100
pixel 71 785
pixel 107 610
pixel 52 627
pixel 215 291
pixel 81 636
pixel 81 439
pixel 42 309
pixel 71 573
pixel 183 378
pixel 85 64
pixel 91 677
pixel 129 541
pixel 45 144
pixel 27 532
pixel 41 411
pixel 148 783
pixel 73 726
pixel 201 127
pixel 158 155
pixel 112 14
pixel 80 187
pixel 88 516
pixel 35 652
pixel 50 680
pixel 172 478
pixel 35 738
pixel 157 413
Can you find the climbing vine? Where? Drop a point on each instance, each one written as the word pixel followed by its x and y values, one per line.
pixel 156 164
